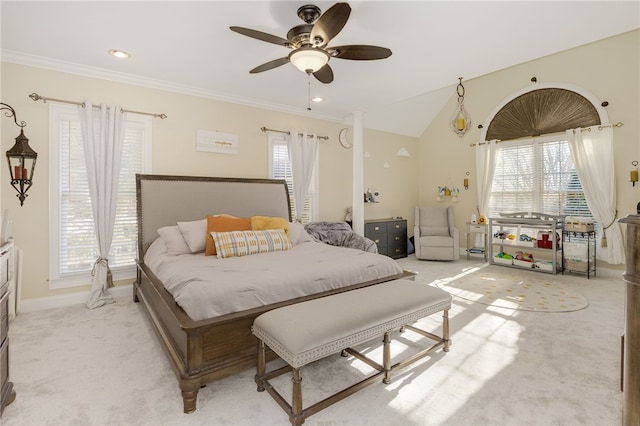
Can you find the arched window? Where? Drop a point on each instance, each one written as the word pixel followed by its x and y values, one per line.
pixel 533 168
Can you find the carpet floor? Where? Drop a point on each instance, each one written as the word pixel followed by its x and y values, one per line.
pixel 73 366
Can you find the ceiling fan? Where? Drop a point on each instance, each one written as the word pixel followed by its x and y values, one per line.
pixel 310 53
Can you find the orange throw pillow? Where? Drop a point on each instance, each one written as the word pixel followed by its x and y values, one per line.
pixel 223 224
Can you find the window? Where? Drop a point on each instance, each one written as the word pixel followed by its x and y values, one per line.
pixel 537 175
pixel 72 244
pixel 280 168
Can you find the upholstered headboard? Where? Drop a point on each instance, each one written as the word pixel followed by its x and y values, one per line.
pixel 163 200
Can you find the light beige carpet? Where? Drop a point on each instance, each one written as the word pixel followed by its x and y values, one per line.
pixel 510 288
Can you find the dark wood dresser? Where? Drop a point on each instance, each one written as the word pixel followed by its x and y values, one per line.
pixel 389 234
pixel 7 394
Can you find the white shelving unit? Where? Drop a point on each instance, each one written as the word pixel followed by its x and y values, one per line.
pixel 547 260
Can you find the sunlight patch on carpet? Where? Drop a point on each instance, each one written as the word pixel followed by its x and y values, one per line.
pixel 513 289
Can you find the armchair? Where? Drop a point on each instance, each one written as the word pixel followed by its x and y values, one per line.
pixel 435 234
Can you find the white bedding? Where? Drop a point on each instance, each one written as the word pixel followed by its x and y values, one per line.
pixel 206 287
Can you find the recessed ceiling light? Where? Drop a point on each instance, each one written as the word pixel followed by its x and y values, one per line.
pixel 120 54
pixel 317 99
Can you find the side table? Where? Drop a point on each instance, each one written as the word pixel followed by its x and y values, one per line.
pixel 473 229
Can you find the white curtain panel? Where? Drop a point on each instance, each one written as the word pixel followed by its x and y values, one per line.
pixel 592 151
pixel 302 149
pixel 103 135
pixel 485 169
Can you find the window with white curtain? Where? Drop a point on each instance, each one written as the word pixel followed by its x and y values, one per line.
pixel 537 175
pixel 73 246
pixel 280 168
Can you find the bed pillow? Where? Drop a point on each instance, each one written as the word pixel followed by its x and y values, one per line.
pixel 223 223
pixel 174 240
pixel 260 223
pixel 194 233
pixel 297 234
pixel 244 243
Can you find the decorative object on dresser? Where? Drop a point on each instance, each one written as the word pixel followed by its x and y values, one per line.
pixel 7 394
pixel 390 235
pixel 436 236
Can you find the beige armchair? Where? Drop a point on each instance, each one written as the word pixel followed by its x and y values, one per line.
pixel 435 235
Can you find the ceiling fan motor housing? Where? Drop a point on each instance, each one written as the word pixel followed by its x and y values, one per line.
pixel 309 13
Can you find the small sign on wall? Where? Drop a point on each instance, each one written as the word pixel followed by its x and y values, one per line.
pixel 222 143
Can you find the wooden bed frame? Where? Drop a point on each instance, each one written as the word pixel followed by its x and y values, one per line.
pixel 204 351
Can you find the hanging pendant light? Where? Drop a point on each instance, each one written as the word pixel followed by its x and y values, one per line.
pixel 460 121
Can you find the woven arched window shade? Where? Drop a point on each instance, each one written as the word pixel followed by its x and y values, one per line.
pixel 540 112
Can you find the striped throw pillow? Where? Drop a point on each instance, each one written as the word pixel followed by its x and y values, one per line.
pixel 244 243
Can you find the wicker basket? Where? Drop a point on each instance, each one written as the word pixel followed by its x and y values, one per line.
pixel 579 227
pixel 578 265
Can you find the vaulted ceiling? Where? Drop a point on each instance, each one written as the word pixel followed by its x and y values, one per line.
pixel 188 47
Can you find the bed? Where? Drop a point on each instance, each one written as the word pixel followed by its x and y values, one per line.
pixel 219 343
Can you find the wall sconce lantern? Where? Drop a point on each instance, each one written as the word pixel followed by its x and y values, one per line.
pixel 460 122
pixel 466 181
pixel 634 173
pixel 21 158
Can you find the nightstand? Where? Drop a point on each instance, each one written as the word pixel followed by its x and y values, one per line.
pixel 472 230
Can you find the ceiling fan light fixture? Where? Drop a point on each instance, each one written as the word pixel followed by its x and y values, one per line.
pixel 309 59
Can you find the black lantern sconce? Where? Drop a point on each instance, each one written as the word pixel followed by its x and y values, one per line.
pixel 21 158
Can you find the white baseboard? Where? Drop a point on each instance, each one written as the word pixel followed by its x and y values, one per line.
pixel 42 303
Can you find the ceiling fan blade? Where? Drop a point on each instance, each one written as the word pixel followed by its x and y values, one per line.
pixel 359 52
pixel 324 74
pixel 330 23
pixel 269 38
pixel 270 65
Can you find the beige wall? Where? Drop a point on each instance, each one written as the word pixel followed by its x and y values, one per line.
pixel 174 152
pixel 609 69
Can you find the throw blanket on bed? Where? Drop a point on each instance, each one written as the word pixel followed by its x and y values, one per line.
pixel 339 234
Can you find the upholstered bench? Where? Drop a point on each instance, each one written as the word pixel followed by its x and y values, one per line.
pixel 311 330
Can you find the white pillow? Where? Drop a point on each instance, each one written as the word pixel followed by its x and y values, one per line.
pixel 195 234
pixel 297 234
pixel 174 241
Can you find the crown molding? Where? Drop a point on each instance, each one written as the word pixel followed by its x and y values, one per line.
pixel 151 83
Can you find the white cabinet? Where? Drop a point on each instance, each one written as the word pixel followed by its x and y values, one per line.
pixel 527 240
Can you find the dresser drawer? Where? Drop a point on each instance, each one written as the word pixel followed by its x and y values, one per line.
pixel 375 228
pixel 4 312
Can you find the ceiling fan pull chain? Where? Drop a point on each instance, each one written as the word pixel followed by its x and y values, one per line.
pixel 308 91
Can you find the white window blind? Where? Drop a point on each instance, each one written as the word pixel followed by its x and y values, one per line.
pixel 537 175
pixel 280 168
pixel 73 244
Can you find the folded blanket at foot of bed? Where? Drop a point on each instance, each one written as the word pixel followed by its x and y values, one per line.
pixel 339 234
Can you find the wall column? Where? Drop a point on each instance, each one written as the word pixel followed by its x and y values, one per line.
pixel 358 174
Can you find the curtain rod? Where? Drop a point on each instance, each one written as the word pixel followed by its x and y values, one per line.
pixel 37 97
pixel 264 130
pixel 588 129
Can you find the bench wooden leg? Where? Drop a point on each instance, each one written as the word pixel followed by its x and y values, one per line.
pixel 261 367
pixel 296 405
pixel 386 357
pixel 445 330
